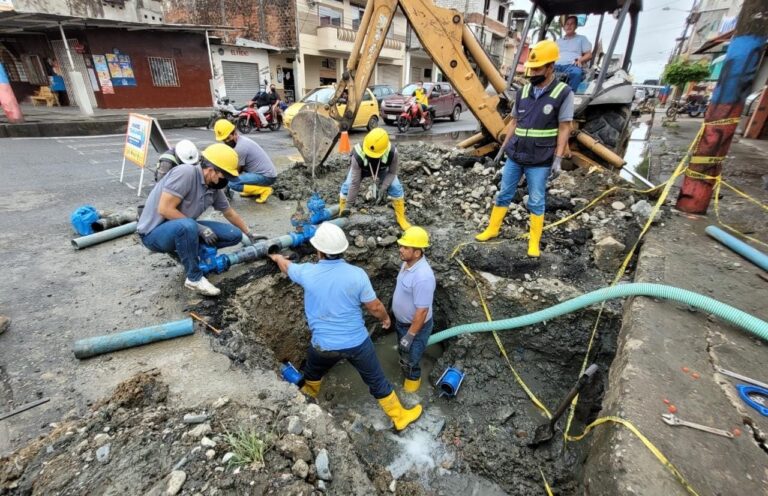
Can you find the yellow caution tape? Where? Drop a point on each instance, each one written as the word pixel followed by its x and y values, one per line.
pixel 700 159
pixel 546 484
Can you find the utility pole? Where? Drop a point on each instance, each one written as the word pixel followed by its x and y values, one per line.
pixel 739 70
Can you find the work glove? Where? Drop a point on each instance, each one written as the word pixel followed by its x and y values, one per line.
pixel 381 197
pixel 405 342
pixel 556 167
pixel 255 237
pixel 207 235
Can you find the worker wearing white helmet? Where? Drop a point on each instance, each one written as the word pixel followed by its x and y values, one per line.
pixel 185 152
pixel 334 291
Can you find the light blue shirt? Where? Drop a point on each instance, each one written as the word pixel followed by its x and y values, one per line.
pixel 572 48
pixel 333 293
pixel 415 289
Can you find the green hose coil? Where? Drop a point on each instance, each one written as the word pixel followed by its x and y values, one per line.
pixel 725 312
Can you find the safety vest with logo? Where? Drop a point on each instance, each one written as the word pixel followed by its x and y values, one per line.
pixel 165 163
pixel 535 136
pixel 362 161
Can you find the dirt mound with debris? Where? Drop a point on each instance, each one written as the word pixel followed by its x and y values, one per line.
pixel 137 442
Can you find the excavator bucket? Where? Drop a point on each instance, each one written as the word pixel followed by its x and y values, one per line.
pixel 315 135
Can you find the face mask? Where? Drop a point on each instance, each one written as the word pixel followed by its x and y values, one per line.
pixel 221 184
pixel 231 143
pixel 537 79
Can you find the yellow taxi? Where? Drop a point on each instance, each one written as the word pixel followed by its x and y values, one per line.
pixel 367 115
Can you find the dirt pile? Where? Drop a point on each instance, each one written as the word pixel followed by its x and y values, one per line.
pixel 135 442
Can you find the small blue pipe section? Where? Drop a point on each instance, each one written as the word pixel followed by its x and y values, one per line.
pixel 89 347
pixel 739 318
pixel 754 255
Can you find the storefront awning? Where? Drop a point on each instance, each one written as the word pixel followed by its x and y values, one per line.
pixel 23 22
pixel 714 42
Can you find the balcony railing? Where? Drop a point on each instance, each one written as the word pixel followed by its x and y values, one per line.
pixel 311 24
pixel 344 34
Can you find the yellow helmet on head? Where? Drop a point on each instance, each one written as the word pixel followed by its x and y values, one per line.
pixel 414 237
pixel 542 53
pixel 376 143
pixel 222 129
pixel 222 157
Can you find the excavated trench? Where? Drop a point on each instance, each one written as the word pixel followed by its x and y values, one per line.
pixel 477 441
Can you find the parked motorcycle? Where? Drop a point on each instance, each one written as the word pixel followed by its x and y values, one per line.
pixel 224 109
pixel 412 117
pixel 692 108
pixel 248 119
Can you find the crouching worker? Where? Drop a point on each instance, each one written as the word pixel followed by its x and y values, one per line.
pixel 169 222
pixel 333 293
pixel 185 152
pixel 412 304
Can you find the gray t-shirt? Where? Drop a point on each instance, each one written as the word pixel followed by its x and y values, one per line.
pixel 185 182
pixel 572 48
pixel 252 158
pixel 564 114
pixel 415 289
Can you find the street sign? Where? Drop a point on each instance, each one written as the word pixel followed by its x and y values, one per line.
pixel 142 130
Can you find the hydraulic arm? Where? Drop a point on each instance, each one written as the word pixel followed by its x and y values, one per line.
pixel 446 39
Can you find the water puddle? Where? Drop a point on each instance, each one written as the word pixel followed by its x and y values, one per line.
pixel 637 158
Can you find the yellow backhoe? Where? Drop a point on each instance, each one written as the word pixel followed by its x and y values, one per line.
pixel 449 42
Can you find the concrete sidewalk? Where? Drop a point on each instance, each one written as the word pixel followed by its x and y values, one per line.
pixel 68 121
pixel 668 351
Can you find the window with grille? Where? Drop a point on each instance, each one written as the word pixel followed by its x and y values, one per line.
pixel 33 66
pixel 163 71
pixel 329 16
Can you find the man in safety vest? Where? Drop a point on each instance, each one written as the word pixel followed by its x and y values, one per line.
pixel 536 141
pixel 168 223
pixel 334 292
pixel 375 158
pixel 257 172
pixel 412 304
pixel 185 152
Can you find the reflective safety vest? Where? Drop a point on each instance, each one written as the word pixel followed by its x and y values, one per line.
pixel 362 161
pixel 165 163
pixel 535 138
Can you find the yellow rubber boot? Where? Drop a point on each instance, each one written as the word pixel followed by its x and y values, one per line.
pixel 402 417
pixel 494 224
pixel 250 190
pixel 537 224
pixel 342 204
pixel 399 205
pixel 411 385
pixel 264 192
pixel 311 388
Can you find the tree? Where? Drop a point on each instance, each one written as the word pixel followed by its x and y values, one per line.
pixel 680 73
pixel 554 28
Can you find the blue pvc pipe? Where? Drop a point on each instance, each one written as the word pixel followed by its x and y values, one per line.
pixel 750 253
pixel 739 318
pixel 98 345
pixel 106 235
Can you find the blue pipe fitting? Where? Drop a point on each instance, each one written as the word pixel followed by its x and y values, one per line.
pixel 450 382
pixel 210 261
pixel 745 393
pixel 83 218
pixel 290 374
pixel 85 348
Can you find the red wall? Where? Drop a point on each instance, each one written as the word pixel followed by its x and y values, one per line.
pixel 192 66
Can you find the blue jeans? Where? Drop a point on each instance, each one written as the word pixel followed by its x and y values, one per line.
pixel 537 185
pixel 574 72
pixel 409 362
pixel 362 357
pixel 180 236
pixel 395 189
pixel 250 179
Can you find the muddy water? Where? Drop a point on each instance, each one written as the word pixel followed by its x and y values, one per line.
pixel 636 154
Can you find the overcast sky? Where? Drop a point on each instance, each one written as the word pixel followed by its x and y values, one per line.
pixel 656 34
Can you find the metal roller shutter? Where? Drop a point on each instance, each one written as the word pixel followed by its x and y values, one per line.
pixel 241 80
pixel 390 74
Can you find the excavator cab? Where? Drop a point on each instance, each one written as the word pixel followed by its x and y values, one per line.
pixel 603 100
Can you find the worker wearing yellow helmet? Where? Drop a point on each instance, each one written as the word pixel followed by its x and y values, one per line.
pixel 168 223
pixel 375 158
pixel 535 143
pixel 412 304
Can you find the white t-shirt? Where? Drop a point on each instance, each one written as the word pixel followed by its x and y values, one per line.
pixel 572 48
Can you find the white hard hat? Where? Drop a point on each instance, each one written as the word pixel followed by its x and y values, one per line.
pixel 187 152
pixel 329 239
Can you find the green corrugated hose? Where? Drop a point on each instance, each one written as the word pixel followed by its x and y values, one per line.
pixel 727 313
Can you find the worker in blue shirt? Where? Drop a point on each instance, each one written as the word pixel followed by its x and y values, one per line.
pixel 333 293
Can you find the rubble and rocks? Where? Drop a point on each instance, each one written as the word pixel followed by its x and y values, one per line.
pixel 609 253
pixel 5 323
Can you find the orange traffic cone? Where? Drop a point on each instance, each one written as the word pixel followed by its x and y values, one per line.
pixel 344 146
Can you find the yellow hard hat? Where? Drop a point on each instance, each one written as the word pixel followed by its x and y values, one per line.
pixel 222 129
pixel 414 237
pixel 542 53
pixel 376 143
pixel 222 157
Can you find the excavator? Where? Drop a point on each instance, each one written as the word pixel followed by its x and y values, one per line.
pixel 450 43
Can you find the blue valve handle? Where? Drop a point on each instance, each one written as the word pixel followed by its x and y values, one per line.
pixel 745 392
